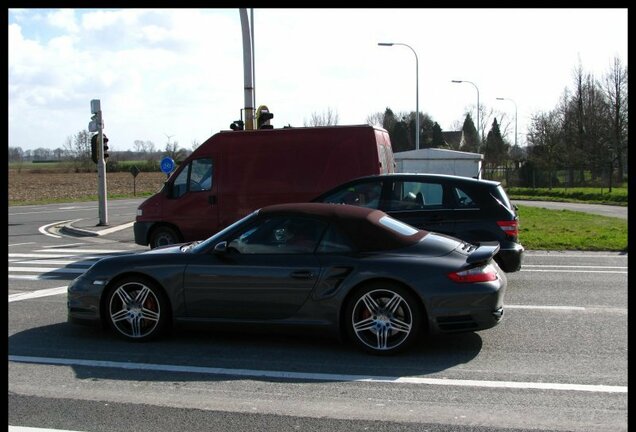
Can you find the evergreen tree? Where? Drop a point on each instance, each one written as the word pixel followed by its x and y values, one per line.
pixel 438 137
pixel 496 150
pixel 471 137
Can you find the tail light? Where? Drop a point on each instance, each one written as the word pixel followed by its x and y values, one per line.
pixel 485 273
pixel 510 227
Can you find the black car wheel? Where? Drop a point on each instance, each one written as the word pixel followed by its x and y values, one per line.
pixel 383 318
pixel 137 310
pixel 163 236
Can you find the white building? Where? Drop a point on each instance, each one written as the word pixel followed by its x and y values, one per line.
pixel 439 161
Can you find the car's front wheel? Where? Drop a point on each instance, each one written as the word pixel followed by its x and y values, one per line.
pixel 383 318
pixel 137 309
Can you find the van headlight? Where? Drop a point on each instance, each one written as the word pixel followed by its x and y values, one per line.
pixel 140 212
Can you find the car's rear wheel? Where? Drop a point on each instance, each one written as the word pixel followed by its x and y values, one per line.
pixel 163 236
pixel 137 309
pixel 383 318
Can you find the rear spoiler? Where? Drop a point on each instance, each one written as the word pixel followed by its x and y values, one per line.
pixel 484 252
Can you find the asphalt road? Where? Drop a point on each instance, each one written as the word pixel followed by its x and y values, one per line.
pixel 558 360
pixel 599 209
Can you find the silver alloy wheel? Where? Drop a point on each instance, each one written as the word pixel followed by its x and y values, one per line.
pixel 134 310
pixel 382 320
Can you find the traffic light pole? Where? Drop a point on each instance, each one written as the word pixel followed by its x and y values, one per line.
pixel 101 173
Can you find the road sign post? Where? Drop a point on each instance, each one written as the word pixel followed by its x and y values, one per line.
pixel 97 125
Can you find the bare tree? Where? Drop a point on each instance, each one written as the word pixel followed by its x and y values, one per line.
pixel 173 151
pixel 328 118
pixel 615 90
pixel 150 147
pixel 139 146
pixel 376 119
pixel 15 154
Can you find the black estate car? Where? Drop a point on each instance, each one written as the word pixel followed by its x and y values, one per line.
pixel 474 210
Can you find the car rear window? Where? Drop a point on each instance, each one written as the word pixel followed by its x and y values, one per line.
pixel 502 196
pixel 397 226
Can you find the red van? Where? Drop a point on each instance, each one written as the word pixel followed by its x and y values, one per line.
pixel 236 172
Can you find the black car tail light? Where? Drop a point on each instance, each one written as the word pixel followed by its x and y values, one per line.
pixel 485 273
pixel 510 227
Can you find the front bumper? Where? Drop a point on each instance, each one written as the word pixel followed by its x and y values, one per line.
pixel 83 302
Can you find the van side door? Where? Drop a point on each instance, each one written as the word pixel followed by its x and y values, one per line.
pixel 192 200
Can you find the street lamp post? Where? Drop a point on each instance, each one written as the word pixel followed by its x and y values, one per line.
pixel 417 103
pixel 478 125
pixel 515 116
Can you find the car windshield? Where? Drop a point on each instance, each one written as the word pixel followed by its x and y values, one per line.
pixel 214 238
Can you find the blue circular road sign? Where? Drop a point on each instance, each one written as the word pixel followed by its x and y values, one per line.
pixel 167 165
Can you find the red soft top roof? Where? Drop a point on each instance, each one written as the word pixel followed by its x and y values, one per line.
pixel 362 225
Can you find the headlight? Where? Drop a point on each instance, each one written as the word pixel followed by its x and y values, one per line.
pixel 140 212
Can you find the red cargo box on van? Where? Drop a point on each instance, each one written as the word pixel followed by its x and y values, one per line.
pixel 236 172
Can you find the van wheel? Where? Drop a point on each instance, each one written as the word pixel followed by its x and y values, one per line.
pixel 163 236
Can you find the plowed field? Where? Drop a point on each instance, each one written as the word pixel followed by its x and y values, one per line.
pixel 28 187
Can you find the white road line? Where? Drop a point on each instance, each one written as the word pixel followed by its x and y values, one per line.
pixel 47 269
pixel 575 266
pixel 32 429
pixel 115 228
pixel 43 228
pixel 573 271
pixel 37 294
pixel 58 255
pixel 254 373
pixel 53 211
pixel 20 244
pixel 582 255
pixel 83 263
pixel 33 277
pixel 87 251
pixel 64 245
pixel 576 308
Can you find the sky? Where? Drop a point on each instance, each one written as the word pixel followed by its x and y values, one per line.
pixel 177 75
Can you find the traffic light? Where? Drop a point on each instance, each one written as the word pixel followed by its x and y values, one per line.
pixel 94 148
pixel 263 116
pixel 105 147
pixel 237 125
pixel 94 144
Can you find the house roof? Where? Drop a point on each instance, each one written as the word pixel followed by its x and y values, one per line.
pixel 453 138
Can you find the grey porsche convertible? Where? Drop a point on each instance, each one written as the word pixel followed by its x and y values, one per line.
pixel 355 272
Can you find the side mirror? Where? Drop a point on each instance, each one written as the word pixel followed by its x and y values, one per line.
pixel 167 189
pixel 220 248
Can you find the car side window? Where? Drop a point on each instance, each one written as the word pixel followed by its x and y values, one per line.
pixel 334 241
pixel 415 195
pixel 279 235
pixel 463 199
pixel 366 194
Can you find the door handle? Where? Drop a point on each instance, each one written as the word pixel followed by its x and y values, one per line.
pixel 302 274
pixel 212 199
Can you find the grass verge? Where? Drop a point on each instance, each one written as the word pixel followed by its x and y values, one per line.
pixel 542 229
